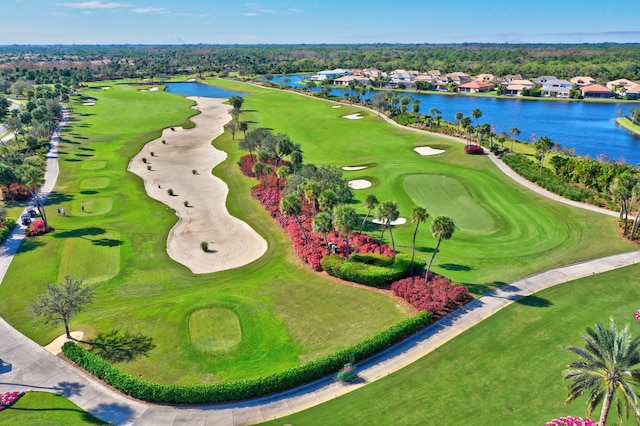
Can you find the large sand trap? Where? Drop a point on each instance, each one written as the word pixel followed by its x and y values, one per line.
pixel 232 243
pixel 337 106
pixel 353 168
pixel 398 221
pixel 356 116
pixel 359 184
pixel 427 150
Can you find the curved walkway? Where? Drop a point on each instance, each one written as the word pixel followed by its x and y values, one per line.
pixel 25 365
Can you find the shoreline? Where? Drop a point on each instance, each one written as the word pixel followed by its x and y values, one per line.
pixel 178 174
pixel 625 123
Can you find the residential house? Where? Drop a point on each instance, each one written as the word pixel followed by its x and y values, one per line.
pixel 633 91
pixel 513 77
pixel 515 87
pixel 596 91
pixel 372 73
pixel 475 87
pixel 330 74
pixel 434 73
pixel 582 81
pixel 554 87
pixel 346 79
pixel 402 79
pixel 486 78
pixel 624 87
pixel 457 77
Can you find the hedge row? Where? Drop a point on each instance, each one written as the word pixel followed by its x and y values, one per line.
pixel 243 389
pixel 6 228
pixel 370 274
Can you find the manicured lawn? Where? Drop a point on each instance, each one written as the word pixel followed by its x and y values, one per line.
pixel 46 409
pixel 628 124
pixel 286 314
pixel 504 231
pixel 507 370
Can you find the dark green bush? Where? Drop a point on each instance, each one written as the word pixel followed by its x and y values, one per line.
pixel 372 259
pixel 6 228
pixel 373 275
pixel 243 389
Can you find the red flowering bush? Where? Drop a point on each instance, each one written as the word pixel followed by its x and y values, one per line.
pixel 15 192
pixel 246 163
pixel 474 149
pixel 571 421
pixel 439 295
pixel 37 228
pixel 7 399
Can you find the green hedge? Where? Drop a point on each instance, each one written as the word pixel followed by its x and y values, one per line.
pixel 243 389
pixel 372 259
pixel 6 228
pixel 369 274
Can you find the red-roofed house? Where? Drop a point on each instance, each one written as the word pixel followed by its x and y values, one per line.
pixel 475 87
pixel 596 91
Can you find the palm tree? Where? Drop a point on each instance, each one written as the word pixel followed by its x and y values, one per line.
pixel 243 126
pixel 606 369
pixel 345 220
pixel 327 200
pixel 282 173
pixel 442 228
pixel 514 132
pixel 291 205
pixel 476 113
pixel 459 116
pixel 621 189
pixel 635 193
pixel 322 224
pixel 370 202
pixel 32 177
pixel 387 213
pixel 312 190
pixel 542 146
pixel 418 215
pixel 258 169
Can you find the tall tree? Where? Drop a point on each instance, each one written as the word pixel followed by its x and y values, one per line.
pixel 327 200
pixel 243 126
pixel 622 191
pixel 370 203
pixel 607 370
pixel 61 301
pixel 542 146
pixel 33 177
pixel 291 205
pixel 635 194
pixel 476 113
pixel 418 216
pixel 312 190
pixel 514 132
pixel 345 220
pixel 442 228
pixel 387 213
pixel 322 224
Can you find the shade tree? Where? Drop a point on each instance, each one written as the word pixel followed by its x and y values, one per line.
pixel 441 228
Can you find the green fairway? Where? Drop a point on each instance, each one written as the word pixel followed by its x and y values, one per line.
pixel 214 329
pixel 507 370
pixel 46 409
pixel 287 314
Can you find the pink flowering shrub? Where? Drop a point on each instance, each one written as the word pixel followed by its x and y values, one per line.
pixel 637 315
pixel 7 399
pixel 473 149
pixel 439 295
pixel 37 228
pixel 571 421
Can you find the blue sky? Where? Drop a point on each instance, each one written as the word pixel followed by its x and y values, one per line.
pixel 329 21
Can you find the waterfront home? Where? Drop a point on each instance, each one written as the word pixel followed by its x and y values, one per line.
pixel 372 73
pixel 486 78
pixel 507 79
pixel 596 91
pixel 457 77
pixel 330 74
pixel 402 79
pixel 515 87
pixel 632 91
pixel 475 87
pixel 554 87
pixel 624 87
pixel 346 79
pixel 582 81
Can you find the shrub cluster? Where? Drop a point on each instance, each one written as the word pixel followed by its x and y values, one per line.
pixel 439 295
pixel 6 226
pixel 370 274
pixel 15 192
pixel 243 389
pixel 37 228
pixel 474 149
pixel 7 399
pixel 597 175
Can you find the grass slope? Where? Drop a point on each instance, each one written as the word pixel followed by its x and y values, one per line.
pixel 507 370
pixel 119 246
pixel 46 409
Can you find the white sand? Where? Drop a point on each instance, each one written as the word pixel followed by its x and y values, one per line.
pixel 232 242
pixel 356 116
pixel 426 150
pixel 55 347
pixel 105 88
pixel 352 168
pixel 337 106
pixel 191 80
pixel 398 221
pixel 359 184
pixel 88 103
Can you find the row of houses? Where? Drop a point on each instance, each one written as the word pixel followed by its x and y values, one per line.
pixel 514 85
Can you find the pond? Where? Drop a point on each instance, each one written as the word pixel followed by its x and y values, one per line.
pixel 588 127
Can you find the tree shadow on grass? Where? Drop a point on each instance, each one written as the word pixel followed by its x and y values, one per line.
pixel 89 192
pixel 72 160
pixel 107 242
pixel 535 301
pixel 29 245
pixel 80 233
pixel 479 289
pixel 57 198
pixel 456 267
pixel 87 418
pixel 118 346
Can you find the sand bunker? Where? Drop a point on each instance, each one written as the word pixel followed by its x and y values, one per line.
pixel 356 116
pixel 427 150
pixel 398 221
pixel 88 103
pixel 359 184
pixel 337 106
pixel 353 168
pixel 153 89
pixel 231 242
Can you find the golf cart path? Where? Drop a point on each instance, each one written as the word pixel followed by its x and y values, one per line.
pixel 25 365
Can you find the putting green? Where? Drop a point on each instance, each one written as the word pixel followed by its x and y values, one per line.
pixel 94 165
pixel 95 182
pixel 93 206
pixel 442 194
pixel 97 244
pixel 214 329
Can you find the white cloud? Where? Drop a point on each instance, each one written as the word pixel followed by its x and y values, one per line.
pixel 149 10
pixel 266 11
pixel 296 10
pixel 95 4
pixel 250 14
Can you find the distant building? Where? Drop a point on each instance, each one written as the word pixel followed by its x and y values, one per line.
pixel 487 78
pixel 582 81
pixel 596 91
pixel 475 87
pixel 515 87
pixel 330 74
pixel 346 79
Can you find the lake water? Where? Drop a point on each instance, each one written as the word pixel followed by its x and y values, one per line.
pixel 200 89
pixel 588 127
